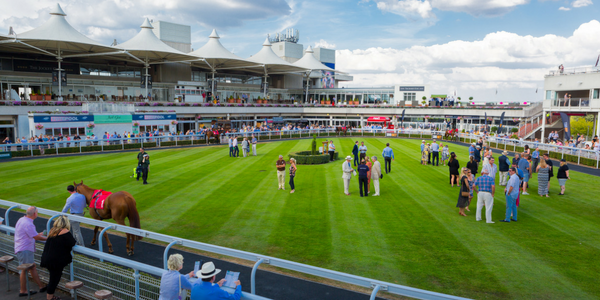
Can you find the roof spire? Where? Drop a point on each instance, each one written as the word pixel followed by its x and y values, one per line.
pixel 267 43
pixel 58 11
pixel 309 50
pixel 214 34
pixel 146 24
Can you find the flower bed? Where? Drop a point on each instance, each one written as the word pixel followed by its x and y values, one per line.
pixel 306 158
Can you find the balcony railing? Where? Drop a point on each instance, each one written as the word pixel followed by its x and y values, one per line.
pixel 576 70
pixel 573 102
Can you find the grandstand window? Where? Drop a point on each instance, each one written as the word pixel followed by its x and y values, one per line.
pixel 410 96
pixel 596 94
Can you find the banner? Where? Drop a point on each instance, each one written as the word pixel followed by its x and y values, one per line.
pixel 63 118
pixel 111 119
pixel 155 117
pixel 566 120
pixel 327 81
pixel 402 123
pixel 63 78
pixel 501 122
pixel 143 80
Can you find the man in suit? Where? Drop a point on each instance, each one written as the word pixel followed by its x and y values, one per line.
pixel 375 174
pixel 363 180
pixel 355 153
pixel 347 174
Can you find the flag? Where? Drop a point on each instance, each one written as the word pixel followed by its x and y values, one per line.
pixel 496 92
pixel 566 120
pixel 597 60
pixel 536 89
pixel 501 122
pixel 402 121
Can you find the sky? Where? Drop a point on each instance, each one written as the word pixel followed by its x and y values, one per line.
pixel 492 50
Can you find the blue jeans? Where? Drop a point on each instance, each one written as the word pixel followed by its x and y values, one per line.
pixel 230 151
pixel 511 208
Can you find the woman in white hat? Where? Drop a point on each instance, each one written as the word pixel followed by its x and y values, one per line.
pixel 206 289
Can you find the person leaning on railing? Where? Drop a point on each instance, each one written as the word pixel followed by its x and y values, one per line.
pixel 57 253
pixel 172 282
pixel 206 289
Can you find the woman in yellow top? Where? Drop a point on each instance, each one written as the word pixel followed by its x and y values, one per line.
pixel 425 155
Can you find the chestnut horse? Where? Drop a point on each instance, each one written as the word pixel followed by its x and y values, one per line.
pixel 339 130
pixel 117 206
pixel 212 134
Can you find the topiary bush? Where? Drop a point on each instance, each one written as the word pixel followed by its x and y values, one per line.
pixel 305 158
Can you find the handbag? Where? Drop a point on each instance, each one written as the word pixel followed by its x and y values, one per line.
pixel 466 193
pixel 381 176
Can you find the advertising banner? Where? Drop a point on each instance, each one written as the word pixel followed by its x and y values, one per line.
pixel 566 120
pixel 412 89
pixel 111 119
pixel 44 66
pixel 327 80
pixel 63 78
pixel 143 80
pixel 64 118
pixel 154 117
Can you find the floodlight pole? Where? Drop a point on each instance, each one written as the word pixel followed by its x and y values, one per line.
pixel 212 87
pixel 59 58
pixel 265 83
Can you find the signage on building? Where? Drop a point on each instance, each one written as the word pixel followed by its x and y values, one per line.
pixel 145 79
pixel 67 118
pixel 44 66
pixel 111 119
pixel 412 88
pixel 154 117
pixel 63 78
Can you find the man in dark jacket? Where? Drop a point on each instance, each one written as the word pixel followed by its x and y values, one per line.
pixel 143 164
pixel 355 153
pixel 363 180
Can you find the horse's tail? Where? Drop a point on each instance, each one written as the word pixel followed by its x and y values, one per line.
pixel 134 216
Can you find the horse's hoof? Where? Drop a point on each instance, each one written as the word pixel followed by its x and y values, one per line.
pixel 93 243
pixel 130 253
pixel 110 251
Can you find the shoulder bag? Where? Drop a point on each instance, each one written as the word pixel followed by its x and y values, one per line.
pixel 467 192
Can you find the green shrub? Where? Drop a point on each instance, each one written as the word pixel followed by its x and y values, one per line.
pixel 305 158
pixel 313 146
pixel 514 129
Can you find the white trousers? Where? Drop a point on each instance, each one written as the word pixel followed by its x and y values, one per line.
pixel 254 149
pixel 245 152
pixel 281 179
pixel 503 178
pixel 376 186
pixel 346 186
pixel 485 197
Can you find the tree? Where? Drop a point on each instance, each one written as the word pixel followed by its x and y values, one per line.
pixel 458 98
pixel 494 129
pixel 424 98
pixel 470 98
pixel 314 145
pixel 581 125
pixel 514 129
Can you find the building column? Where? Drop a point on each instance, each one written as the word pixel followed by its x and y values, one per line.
pixel 543 126
pixel 255 118
pixel 362 121
pixel 196 123
pixel 598 124
pixel 330 120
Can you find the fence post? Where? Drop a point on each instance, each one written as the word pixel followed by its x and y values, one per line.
pixel 102 146
pixel 136 275
pixel 6 218
pixel 374 293
pixel 166 253
pixel 56 147
pixel 100 238
pixel 32 150
pixel 176 138
pixel 253 275
pixel 48 227
pixel 79 148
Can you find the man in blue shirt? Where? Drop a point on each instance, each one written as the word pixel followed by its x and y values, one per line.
pixel 535 159
pixel 422 146
pixel 472 150
pixel 435 149
pixel 205 288
pixel 388 155
pixel 512 192
pixel 363 179
pixel 75 205
pixel 230 146
pixel 524 166
pixel 485 195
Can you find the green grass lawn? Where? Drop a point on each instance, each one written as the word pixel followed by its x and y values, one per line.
pixel 411 235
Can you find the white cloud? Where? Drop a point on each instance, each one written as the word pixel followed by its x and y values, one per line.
pixel 502 60
pixel 424 8
pixel 324 44
pixel 582 3
pixel 407 8
pixel 564 8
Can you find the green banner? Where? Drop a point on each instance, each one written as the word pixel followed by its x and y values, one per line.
pixel 4 155
pixel 109 119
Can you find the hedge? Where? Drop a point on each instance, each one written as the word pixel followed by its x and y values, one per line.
pixel 305 158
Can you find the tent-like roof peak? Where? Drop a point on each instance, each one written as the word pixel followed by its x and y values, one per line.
pixel 267 43
pixel 214 35
pixel 309 50
pixel 57 10
pixel 147 24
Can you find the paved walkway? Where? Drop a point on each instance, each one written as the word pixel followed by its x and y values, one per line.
pixel 268 284
pixel 13 294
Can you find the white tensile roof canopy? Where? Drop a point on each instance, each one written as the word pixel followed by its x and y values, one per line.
pixel 149 48
pixel 217 57
pixel 273 64
pixel 309 61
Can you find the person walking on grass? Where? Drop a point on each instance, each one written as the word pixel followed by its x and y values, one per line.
pixel 292 174
pixel 363 179
pixel 331 150
pixel 25 237
pixel 535 159
pixel 370 165
pixel 445 155
pixel 280 164
pixel 463 194
pixel 236 150
pixel 363 151
pixel 355 153
pixel 144 164
pixel 543 177
pixel 562 175
pixel 485 188
pixel 245 147
pixel 376 174
pixel 388 156
pixel 524 166
pixel 347 172
pixel 503 166
pixel 254 142
pixel 453 167
pixel 435 150
pixel 75 205
pixel 231 153
pixel 512 192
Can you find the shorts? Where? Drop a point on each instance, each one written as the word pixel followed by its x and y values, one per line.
pixel 562 181
pixel 25 257
pixel 525 177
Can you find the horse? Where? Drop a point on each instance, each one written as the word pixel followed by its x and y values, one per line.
pixel 339 130
pixel 451 135
pixel 117 206
pixel 212 134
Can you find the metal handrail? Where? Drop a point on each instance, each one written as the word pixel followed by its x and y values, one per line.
pixel 276 262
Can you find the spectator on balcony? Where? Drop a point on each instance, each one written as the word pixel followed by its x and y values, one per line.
pixel 57 253
pixel 172 282
pixel 207 289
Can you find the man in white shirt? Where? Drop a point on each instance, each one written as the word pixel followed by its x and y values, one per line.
pixel 331 150
pixel 236 150
pixel 363 151
pixel 376 174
